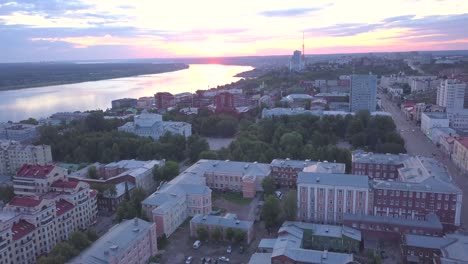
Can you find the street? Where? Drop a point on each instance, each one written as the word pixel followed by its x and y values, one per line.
pixel 417 143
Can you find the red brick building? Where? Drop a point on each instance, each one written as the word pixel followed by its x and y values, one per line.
pixel 377 166
pixel 163 100
pixel 224 102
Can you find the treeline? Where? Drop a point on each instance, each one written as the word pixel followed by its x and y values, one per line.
pixel 311 137
pixel 207 123
pixel 97 140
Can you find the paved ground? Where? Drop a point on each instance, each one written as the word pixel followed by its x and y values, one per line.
pixel 218 143
pixel 180 247
pixel 417 143
pixel 104 223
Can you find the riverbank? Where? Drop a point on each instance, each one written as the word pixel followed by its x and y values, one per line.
pixel 14 76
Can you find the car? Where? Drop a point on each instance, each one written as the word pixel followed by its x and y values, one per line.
pixel 279 194
pixel 224 259
pixel 196 244
pixel 207 260
pixel 383 254
pixel 241 249
pixel 229 249
pixel 188 260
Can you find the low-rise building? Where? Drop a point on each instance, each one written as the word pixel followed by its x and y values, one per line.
pixel 460 153
pixel 110 200
pixel 288 247
pixel 131 241
pixel 450 249
pixel 13 155
pixel 222 224
pixel 430 120
pixel 124 103
pixel 151 125
pixel 285 171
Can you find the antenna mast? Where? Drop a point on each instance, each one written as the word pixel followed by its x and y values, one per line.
pixel 303 53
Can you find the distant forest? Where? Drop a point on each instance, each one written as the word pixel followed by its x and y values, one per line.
pixel 25 75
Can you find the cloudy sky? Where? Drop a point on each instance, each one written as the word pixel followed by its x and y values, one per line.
pixel 37 30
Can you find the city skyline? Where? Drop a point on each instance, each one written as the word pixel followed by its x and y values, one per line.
pixel 83 29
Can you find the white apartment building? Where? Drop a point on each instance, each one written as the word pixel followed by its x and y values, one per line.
pixel 32 225
pixel 151 125
pixel 324 197
pixel 460 153
pixel 451 94
pixel 363 94
pixel 130 242
pixel 13 155
pixel 18 132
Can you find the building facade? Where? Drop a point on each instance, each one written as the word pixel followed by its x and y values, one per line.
pixel 164 100
pixel 363 94
pixel 451 94
pixel 432 120
pixel 376 165
pixel 324 198
pixel 460 153
pixel 18 132
pixel 124 103
pixel 13 155
pixel 285 171
pixel 130 242
pixel 32 223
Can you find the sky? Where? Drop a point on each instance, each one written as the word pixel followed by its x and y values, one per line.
pixel 54 30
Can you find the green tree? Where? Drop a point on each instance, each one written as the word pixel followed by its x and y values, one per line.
pixel 115 152
pixel 208 154
pixel 270 211
pixel 65 250
pixel 196 145
pixel 79 240
pixel 51 260
pixel 268 184
pixel 217 234
pixel 93 173
pixel 290 205
pixel 92 235
pixel 230 234
pixel 239 236
pixel 291 144
pixel 202 233
pixel 6 193
pixel 29 121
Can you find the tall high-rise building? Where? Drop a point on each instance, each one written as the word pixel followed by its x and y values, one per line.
pixel 297 62
pixel 451 94
pixel 363 94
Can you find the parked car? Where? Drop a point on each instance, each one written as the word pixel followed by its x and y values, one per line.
pixel 223 258
pixel 279 194
pixel 188 260
pixel 229 249
pixel 241 249
pixel 383 254
pixel 196 244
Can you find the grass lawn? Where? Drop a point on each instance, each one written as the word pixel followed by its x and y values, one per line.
pixel 233 197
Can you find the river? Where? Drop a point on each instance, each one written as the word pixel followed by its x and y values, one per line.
pixel 16 105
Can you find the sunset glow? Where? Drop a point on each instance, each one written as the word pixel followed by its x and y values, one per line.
pixel 88 29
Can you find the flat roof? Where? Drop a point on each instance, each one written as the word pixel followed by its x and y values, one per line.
pixel 224 221
pixel 436 115
pixel 333 179
pixel 378 158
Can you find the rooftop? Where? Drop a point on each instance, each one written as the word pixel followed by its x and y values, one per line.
pixel 62 207
pixel 21 229
pixel 326 230
pixel 378 158
pixel 310 166
pixel 119 189
pixel 115 242
pixel 260 258
pixel 229 220
pixel 432 221
pixel 333 179
pixel 436 115
pixel 425 241
pixel 463 141
pixel 24 201
pixel 35 171
pixel 65 184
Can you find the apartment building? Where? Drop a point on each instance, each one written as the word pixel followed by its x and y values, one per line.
pixel 13 155
pixel 325 197
pixel 18 132
pixel 285 171
pixel 222 223
pixel 33 222
pixel 376 165
pixel 363 94
pixel 36 179
pixel 131 241
pixel 431 120
pixel 460 153
pixel 151 125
